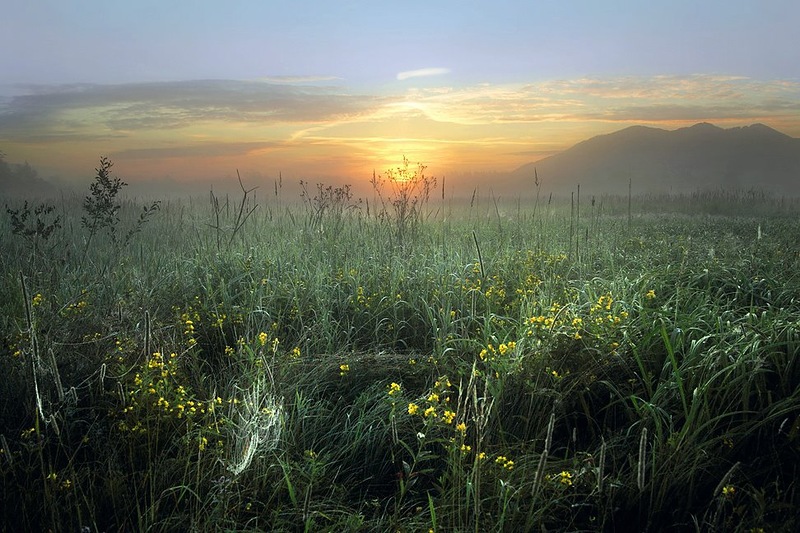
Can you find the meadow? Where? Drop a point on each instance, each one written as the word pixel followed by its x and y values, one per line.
pixel 406 362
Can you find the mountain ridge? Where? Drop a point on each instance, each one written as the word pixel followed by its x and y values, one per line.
pixel 655 160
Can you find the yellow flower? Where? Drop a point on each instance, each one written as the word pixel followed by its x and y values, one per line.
pixel 344 369
pixel 650 294
pixel 262 338
pixel 728 491
pixel 448 417
pixel 37 300
pixel 394 389
pixel 430 412
pixel 413 408
pixel 505 462
pixel 565 478
pixel 461 428
pixel 433 398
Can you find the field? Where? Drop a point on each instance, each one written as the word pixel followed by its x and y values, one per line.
pixel 410 362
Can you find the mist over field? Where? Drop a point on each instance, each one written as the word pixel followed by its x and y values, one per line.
pixel 699 158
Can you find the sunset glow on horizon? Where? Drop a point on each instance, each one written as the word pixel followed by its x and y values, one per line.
pixel 337 92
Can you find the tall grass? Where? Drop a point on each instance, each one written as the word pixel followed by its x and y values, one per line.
pixel 312 367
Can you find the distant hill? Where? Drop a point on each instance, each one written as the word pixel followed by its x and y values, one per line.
pixel 702 156
pixel 22 181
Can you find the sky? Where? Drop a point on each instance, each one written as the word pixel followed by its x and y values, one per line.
pixel 192 91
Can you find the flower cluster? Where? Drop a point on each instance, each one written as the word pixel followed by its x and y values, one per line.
pixel 491 352
pixel 504 462
pixel 600 326
pixel 159 399
pixel 437 405
pixel 76 307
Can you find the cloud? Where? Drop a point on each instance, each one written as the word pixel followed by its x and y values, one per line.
pixel 201 150
pixel 72 110
pixel 624 99
pixel 423 72
pixel 297 79
pixel 44 114
pixel 290 123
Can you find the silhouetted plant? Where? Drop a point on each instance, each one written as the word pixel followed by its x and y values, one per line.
pixel 328 204
pixel 102 207
pixel 36 224
pixel 244 212
pixel 42 228
pixel 409 190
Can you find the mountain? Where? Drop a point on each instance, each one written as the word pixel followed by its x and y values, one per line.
pixel 702 156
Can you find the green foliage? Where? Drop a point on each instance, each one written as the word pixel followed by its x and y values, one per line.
pixel 250 374
pixel 221 211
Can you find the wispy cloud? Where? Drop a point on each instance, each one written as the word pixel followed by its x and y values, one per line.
pixel 74 109
pixel 201 150
pixel 626 99
pixel 423 72
pixel 297 79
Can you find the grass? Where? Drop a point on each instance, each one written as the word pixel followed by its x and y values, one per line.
pixel 472 366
